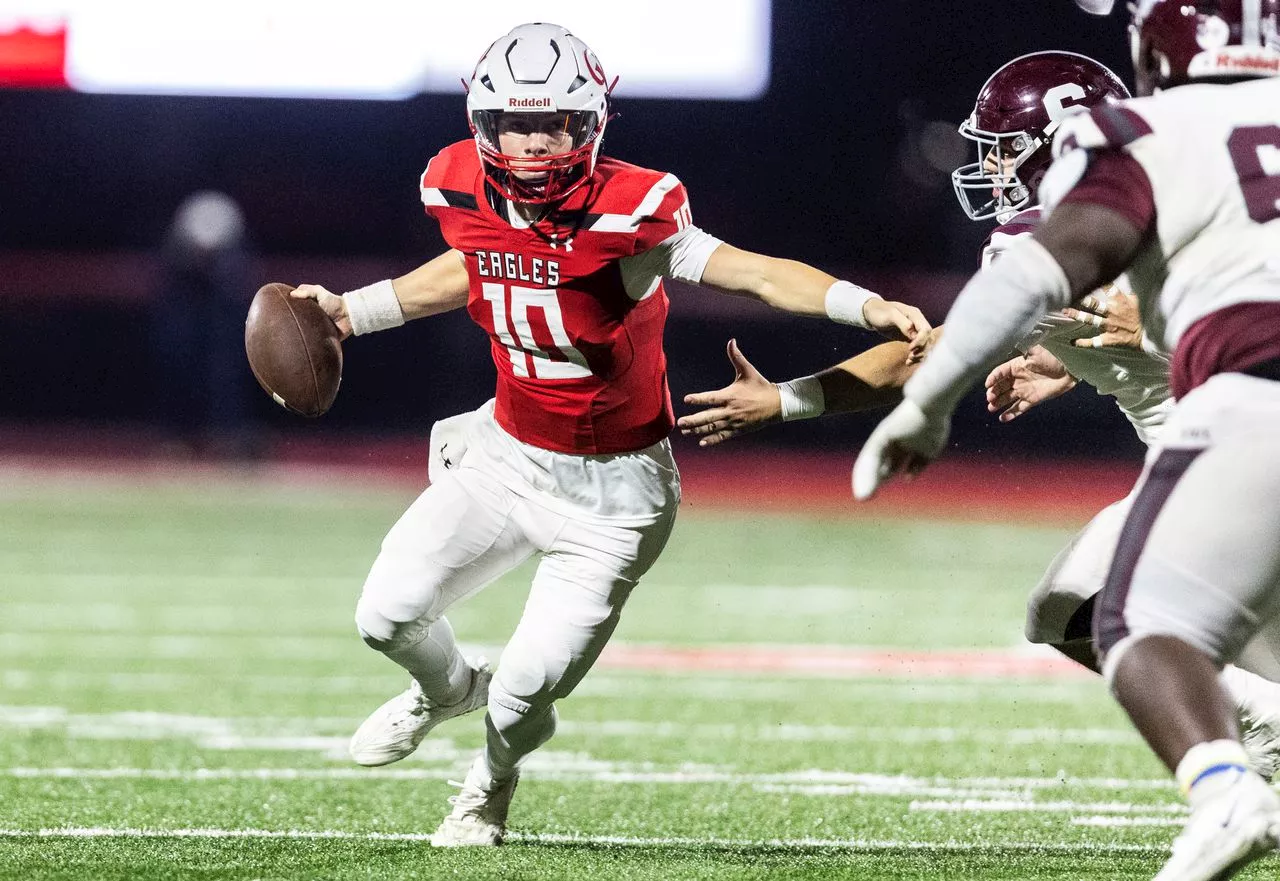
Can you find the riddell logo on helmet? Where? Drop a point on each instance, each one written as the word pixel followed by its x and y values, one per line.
pixel 540 103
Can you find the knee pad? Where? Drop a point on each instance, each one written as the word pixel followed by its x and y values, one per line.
pixel 381 633
pixel 520 723
pixel 1058 609
pixel 1056 614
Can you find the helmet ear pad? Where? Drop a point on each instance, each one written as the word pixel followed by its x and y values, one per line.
pixel 1033 169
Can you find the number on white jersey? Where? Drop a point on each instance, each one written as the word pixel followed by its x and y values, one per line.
pixel 571 364
pixel 1255 152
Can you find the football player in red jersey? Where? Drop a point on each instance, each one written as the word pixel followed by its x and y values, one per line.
pixel 1180 189
pixel 559 254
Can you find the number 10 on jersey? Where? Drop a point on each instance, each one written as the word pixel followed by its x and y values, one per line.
pixel 528 356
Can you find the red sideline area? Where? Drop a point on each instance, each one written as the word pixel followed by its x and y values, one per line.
pixel 743 478
pixel 838 662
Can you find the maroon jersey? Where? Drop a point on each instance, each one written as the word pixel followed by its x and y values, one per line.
pixel 575 336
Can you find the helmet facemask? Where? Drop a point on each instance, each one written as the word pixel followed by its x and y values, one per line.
pixel 559 157
pixel 1017 111
pixel 1004 178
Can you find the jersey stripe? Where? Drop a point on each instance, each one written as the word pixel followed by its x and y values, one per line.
pixel 448 198
pixel 615 223
pixel 1118 124
pixel 648 205
pixel 655 196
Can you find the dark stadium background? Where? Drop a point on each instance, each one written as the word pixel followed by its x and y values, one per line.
pixel 835 166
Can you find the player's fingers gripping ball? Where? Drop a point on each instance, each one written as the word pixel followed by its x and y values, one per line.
pixel 294 350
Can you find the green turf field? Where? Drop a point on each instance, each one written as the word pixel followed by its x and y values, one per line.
pixel 179 673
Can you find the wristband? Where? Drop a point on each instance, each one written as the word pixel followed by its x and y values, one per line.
pixel 802 398
pixel 375 307
pixel 845 301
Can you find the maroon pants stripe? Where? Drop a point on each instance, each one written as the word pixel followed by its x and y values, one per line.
pixel 1109 626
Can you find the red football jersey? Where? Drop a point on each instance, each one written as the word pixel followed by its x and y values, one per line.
pixel 580 362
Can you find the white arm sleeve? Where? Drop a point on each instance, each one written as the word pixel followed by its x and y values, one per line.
pixel 683 256
pixel 997 308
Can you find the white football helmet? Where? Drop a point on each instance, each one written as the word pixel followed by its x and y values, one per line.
pixel 541 69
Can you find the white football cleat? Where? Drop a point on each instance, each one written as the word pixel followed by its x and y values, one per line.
pixel 395 729
pixel 479 815
pixel 1227 832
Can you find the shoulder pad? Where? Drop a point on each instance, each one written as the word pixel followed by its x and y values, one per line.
pixel 1023 223
pixel 1106 126
pixel 1065 172
pixel 454 161
pixel 450 178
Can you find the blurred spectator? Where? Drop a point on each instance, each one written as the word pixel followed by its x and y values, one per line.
pixel 198 329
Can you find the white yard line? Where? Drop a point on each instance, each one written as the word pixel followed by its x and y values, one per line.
pixel 1025 805
pixel 600 684
pixel 570 767
pixel 1124 822
pixel 862 844
pixel 302 733
pixel 96 648
pixel 791 733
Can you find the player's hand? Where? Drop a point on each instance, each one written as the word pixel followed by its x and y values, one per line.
pixel 1115 313
pixel 748 403
pixel 1021 383
pixel 906 441
pixel 898 321
pixel 333 305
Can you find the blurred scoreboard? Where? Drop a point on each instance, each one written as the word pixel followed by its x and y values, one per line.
pixel 370 49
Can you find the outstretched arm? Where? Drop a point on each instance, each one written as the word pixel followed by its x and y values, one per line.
pixel 1081 246
pixel 872 379
pixel 802 289
pixel 436 286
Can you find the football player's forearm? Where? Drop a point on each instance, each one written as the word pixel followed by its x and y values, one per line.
pixel 788 285
pixel 783 284
pixel 794 287
pixel 439 285
pixel 871 379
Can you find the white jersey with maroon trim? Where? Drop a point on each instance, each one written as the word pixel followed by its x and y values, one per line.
pixel 1138 380
pixel 1211 155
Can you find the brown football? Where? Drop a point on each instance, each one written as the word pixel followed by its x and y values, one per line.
pixel 294 349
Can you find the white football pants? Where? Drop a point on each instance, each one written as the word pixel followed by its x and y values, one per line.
pixel 1076 574
pixel 478 521
pixel 1199 557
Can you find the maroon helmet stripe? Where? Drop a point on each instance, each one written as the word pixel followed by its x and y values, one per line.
pixel 1118 124
pixel 1109 625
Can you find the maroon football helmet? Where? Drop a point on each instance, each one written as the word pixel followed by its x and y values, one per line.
pixel 1013 121
pixel 1175 42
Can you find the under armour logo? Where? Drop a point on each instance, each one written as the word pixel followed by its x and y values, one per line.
pixel 445 460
